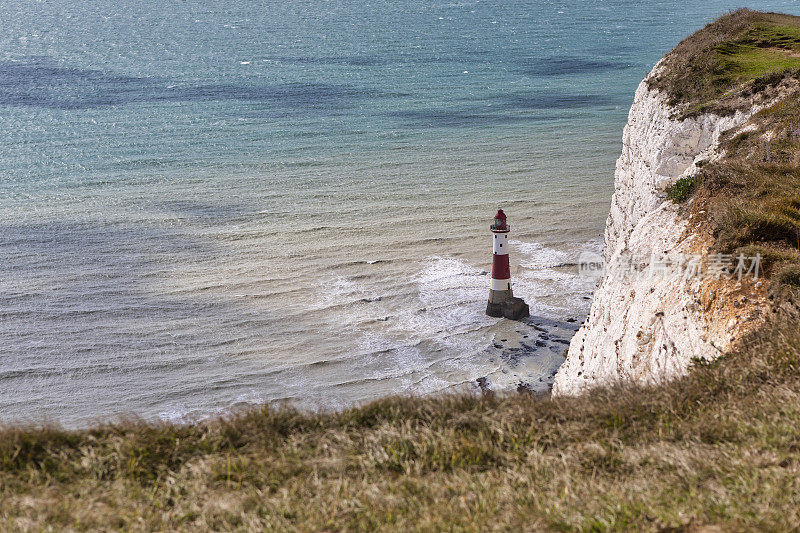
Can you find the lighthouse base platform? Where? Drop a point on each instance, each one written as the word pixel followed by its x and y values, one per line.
pixel 504 304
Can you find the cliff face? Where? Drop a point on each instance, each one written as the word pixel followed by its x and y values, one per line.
pixel 650 317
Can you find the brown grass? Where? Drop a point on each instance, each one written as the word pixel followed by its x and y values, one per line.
pixel 718 447
pixel 752 195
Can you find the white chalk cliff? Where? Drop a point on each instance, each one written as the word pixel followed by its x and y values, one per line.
pixel 647 326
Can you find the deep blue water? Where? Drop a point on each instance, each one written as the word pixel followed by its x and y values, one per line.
pixel 206 203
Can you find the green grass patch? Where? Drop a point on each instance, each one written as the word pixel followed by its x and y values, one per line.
pixel 682 189
pixel 742 62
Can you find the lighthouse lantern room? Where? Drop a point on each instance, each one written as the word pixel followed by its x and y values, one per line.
pixel 500 225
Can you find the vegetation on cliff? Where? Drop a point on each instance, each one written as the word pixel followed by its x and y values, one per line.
pixel 750 198
pixel 719 68
pixel 752 195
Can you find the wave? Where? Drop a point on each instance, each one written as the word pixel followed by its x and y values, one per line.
pixel 538 256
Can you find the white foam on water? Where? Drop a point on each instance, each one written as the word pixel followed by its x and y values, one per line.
pixel 443 318
pixel 536 255
pixel 432 334
pixel 453 293
pixel 436 268
pixel 428 384
pixel 398 361
pixel 344 290
pixel 565 280
pixel 548 279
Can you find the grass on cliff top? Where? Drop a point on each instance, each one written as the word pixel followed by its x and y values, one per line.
pixel 718 447
pixel 741 53
pixel 752 195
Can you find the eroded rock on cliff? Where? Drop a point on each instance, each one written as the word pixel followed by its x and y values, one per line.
pixel 648 322
pixel 709 174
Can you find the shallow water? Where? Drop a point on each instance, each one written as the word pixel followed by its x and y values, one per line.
pixel 203 205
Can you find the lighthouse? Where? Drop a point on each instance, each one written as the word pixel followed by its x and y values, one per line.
pixel 502 302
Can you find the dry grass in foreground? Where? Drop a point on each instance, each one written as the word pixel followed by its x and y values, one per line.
pixel 718 447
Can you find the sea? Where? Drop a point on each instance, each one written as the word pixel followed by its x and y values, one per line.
pixel 210 205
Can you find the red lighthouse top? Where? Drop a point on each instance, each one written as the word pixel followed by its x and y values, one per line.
pixel 499 225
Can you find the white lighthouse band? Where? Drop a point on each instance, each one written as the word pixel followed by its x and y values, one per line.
pixel 500 244
pixel 501 285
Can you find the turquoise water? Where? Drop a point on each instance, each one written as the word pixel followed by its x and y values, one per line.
pixel 207 204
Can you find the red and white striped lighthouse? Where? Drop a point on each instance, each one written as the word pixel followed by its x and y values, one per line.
pixel 501 292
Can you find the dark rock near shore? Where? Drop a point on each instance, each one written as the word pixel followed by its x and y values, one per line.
pixel 515 308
